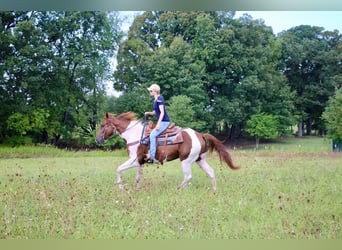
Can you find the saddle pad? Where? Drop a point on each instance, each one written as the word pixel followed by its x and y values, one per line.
pixel 175 137
pixel 170 140
pixel 171 130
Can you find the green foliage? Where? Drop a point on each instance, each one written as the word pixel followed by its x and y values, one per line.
pixel 230 69
pixel 55 61
pixel 19 123
pixel 37 121
pixel 137 101
pixel 181 112
pixel 115 142
pixel 310 62
pixel 263 126
pixel 84 137
pixel 333 116
pixel 16 141
pixel 227 67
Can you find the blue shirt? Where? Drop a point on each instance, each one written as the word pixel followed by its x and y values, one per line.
pixel 156 104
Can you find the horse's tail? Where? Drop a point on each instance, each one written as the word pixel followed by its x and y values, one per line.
pixel 214 143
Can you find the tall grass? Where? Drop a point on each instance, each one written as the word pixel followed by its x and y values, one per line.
pixel 44 151
pixel 304 145
pixel 281 192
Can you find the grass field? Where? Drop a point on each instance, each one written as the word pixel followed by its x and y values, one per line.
pixel 287 190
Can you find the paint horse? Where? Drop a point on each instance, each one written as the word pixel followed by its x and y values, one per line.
pixel 190 147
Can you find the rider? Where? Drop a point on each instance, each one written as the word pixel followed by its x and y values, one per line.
pixel 163 119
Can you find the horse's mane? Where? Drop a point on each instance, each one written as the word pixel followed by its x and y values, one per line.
pixel 128 116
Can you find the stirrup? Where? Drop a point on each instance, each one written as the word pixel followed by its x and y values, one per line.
pixel 153 161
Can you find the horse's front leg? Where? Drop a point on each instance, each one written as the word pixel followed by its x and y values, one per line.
pixel 130 163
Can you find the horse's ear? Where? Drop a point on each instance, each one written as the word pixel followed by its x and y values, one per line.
pixel 107 115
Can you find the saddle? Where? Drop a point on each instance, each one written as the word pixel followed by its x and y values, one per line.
pixel 171 135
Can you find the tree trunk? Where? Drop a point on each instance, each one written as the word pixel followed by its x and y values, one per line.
pixel 45 137
pixel 55 139
pixel 231 132
pixel 308 126
pixel 300 129
pixel 257 143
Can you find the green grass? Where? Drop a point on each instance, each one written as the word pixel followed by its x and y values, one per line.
pixel 281 192
pixel 44 151
pixel 303 145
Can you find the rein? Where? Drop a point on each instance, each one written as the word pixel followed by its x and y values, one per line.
pixel 131 143
pixel 142 133
pixel 128 127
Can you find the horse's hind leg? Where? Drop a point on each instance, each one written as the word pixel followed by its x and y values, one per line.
pixel 208 170
pixel 187 174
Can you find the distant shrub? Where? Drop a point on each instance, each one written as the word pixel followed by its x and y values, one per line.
pixel 15 141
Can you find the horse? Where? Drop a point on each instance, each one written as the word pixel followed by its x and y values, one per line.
pixel 192 148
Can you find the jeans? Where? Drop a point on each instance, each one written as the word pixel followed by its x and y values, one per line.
pixel 153 138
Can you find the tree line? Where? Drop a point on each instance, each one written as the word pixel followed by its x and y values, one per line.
pixel 53 66
pixel 218 73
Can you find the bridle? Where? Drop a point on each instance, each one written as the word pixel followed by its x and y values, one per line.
pixel 105 130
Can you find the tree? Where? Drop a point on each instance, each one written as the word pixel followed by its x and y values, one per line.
pixel 227 67
pixel 137 101
pixel 169 61
pixel 332 116
pixel 242 79
pixel 310 65
pixel 13 66
pixel 181 112
pixel 82 43
pixel 34 122
pixel 56 61
pixel 262 126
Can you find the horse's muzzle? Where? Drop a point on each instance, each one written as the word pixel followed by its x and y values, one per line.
pixel 99 140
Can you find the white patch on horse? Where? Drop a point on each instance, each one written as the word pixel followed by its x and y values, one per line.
pixel 131 134
pixel 193 156
pixel 195 145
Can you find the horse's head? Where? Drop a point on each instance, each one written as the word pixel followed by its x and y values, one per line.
pixel 106 130
pixel 111 125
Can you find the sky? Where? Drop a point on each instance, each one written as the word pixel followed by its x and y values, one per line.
pixel 284 20
pixel 278 20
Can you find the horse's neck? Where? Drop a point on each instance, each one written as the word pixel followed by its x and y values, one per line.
pixel 132 132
